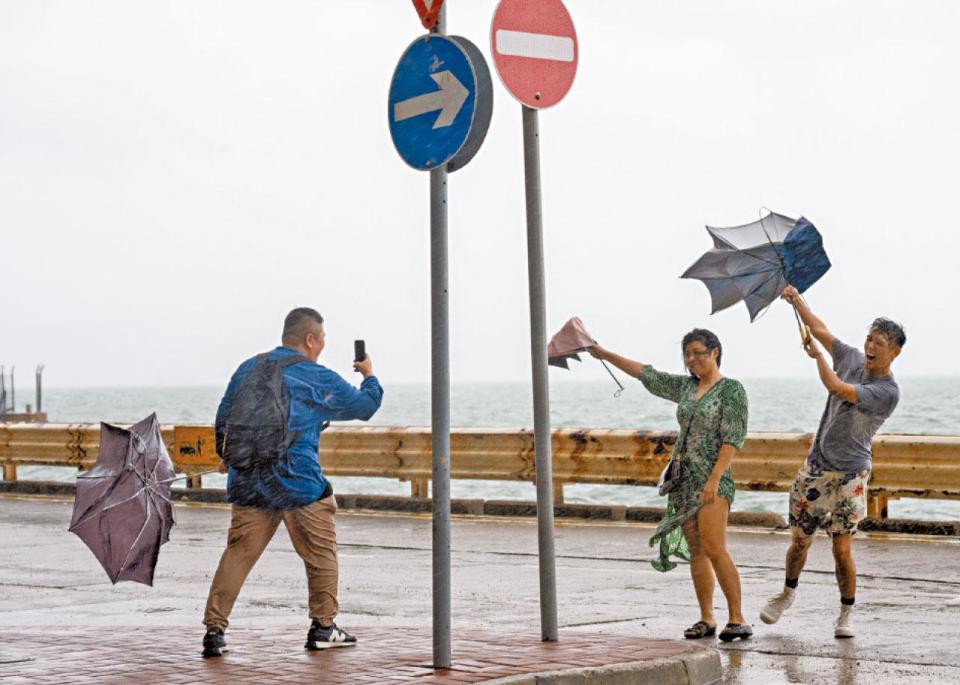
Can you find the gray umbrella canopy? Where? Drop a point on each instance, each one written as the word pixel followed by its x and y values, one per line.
pixel 755 262
pixel 122 510
pixel 773 228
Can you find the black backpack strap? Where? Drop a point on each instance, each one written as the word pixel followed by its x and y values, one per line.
pixel 290 361
pixel 284 363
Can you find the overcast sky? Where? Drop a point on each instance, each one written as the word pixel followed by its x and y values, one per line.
pixel 176 176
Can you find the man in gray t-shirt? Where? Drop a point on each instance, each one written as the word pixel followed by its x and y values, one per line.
pixel 846 429
pixel 830 490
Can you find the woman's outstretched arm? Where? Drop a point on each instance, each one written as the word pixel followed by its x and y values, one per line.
pixel 628 366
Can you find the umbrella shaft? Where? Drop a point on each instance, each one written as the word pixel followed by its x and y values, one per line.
pixel 804 330
pixel 611 374
pixel 188 475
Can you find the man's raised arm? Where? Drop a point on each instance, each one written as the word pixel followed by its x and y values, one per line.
pixel 831 381
pixel 818 328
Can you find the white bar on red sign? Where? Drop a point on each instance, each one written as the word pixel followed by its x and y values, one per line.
pixel 535 45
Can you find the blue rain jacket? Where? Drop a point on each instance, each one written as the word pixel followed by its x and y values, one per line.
pixel 317 394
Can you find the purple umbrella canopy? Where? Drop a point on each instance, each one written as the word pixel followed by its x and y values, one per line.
pixel 122 511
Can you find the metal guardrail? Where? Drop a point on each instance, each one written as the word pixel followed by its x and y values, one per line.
pixel 904 465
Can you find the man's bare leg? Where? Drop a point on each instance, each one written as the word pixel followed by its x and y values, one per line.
pixel 846 571
pixel 795 561
pixel 797 554
pixel 846 568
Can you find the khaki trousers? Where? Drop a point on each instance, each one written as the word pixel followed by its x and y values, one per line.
pixel 313 534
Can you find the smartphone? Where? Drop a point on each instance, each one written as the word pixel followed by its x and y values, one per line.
pixel 359 350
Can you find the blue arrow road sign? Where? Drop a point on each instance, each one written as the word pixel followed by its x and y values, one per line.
pixel 440 102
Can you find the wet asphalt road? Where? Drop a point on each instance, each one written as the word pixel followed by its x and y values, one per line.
pixel 906 634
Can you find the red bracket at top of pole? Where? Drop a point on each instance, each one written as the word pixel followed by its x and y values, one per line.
pixel 428 10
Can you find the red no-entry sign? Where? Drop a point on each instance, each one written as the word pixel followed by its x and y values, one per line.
pixel 534 47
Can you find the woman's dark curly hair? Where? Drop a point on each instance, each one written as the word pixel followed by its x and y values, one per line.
pixel 709 340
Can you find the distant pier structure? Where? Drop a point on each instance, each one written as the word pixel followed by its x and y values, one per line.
pixel 8 399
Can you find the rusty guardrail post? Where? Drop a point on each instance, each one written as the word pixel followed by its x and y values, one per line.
pixel 6 437
pixel 557 492
pixel 420 487
pixel 877 505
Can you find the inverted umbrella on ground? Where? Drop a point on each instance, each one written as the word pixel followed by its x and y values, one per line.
pixel 122 510
pixel 756 261
pixel 571 339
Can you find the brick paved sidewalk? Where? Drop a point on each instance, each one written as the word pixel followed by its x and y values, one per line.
pixel 155 655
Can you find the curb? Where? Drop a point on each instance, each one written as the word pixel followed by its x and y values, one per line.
pixel 913 526
pixel 701 666
pixel 479 507
pixel 424 505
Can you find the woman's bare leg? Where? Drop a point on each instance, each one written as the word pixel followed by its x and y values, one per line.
pixel 701 571
pixel 712 526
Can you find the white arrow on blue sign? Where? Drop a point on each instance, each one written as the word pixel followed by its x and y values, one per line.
pixel 441 100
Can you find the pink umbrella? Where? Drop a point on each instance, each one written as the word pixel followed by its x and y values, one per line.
pixel 569 340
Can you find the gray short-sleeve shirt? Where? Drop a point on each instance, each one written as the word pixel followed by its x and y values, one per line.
pixel 846 431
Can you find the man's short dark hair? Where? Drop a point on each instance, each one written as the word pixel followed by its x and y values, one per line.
pixel 297 324
pixel 891 329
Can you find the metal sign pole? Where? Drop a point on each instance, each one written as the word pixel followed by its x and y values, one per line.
pixel 440 407
pixel 447 79
pixel 541 391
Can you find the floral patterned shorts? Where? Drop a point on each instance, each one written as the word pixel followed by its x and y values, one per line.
pixel 831 500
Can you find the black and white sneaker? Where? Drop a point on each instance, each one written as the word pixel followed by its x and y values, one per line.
pixel 214 643
pixel 324 638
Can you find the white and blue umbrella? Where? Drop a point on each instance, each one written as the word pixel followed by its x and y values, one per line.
pixel 756 261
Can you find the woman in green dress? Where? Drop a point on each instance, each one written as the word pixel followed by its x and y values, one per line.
pixel 712 412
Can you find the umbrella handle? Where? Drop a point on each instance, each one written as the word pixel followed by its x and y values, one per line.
pixel 620 391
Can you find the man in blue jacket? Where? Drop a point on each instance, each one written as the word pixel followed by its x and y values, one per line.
pixel 292 489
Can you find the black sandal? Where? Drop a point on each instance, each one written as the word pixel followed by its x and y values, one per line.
pixel 732 631
pixel 700 630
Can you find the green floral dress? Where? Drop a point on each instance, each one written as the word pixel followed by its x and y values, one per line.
pixel 718 418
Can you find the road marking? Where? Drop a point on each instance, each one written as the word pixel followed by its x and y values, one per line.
pixel 535 45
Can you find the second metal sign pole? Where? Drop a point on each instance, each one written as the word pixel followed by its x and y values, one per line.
pixel 541 390
pixel 440 404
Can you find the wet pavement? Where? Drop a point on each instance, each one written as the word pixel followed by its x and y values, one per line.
pixel 383 655
pixel 50 584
